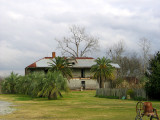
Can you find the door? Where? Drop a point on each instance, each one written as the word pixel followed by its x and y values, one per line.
pixel 83 84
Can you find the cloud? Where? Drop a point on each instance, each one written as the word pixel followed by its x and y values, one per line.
pixel 29 28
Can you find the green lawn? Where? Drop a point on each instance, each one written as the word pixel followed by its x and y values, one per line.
pixel 75 105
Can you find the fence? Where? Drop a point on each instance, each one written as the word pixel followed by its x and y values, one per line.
pixel 119 92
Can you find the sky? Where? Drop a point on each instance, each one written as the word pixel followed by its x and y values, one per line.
pixel 28 28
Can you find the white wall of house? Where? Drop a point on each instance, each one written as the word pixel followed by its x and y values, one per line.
pixel 90 84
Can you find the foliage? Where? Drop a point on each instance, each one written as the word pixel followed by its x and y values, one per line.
pixel 125 84
pixel 36 84
pixel 102 70
pixel 9 83
pixel 143 79
pixel 140 99
pixel 117 82
pixel 153 74
pixel 60 64
pixel 54 82
pixel 131 93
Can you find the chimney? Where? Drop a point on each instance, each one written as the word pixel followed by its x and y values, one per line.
pixel 53 54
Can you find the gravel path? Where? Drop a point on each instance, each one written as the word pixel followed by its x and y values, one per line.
pixel 5 108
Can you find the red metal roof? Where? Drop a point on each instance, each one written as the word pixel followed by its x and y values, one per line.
pixel 34 64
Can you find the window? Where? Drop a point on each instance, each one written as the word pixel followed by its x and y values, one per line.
pixel 82 73
pixel 73 63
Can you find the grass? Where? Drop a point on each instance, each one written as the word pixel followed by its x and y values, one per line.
pixel 75 105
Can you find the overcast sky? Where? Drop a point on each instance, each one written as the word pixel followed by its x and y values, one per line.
pixel 28 28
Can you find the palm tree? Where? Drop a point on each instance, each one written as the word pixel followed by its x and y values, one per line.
pixel 30 84
pixel 8 85
pixel 54 83
pixel 61 64
pixel 37 83
pixel 102 70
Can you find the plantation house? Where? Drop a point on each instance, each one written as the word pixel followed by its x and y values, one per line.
pixel 80 66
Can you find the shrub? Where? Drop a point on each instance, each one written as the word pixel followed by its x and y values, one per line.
pixel 131 93
pixel 140 99
pixel 8 84
pixel 54 82
pixel 117 83
pixel 36 84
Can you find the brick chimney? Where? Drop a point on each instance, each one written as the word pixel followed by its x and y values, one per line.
pixel 53 54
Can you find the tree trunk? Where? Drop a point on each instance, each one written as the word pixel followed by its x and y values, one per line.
pixel 60 94
pixel 55 97
pixel 52 96
pixel 49 96
pixel 101 82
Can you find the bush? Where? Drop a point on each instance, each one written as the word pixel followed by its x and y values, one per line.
pixel 54 82
pixel 140 99
pixel 117 83
pixel 35 84
pixel 8 84
pixel 131 93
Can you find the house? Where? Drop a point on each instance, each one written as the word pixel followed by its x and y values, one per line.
pixel 80 66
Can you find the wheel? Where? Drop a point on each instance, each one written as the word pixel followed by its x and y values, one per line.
pixel 155 115
pixel 138 118
pixel 140 108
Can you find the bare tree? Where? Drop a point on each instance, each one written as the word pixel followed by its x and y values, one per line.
pixel 145 47
pixel 116 50
pixel 129 61
pixel 115 53
pixel 79 43
pixel 131 65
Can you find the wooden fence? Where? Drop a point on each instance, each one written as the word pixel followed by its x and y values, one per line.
pixel 119 92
